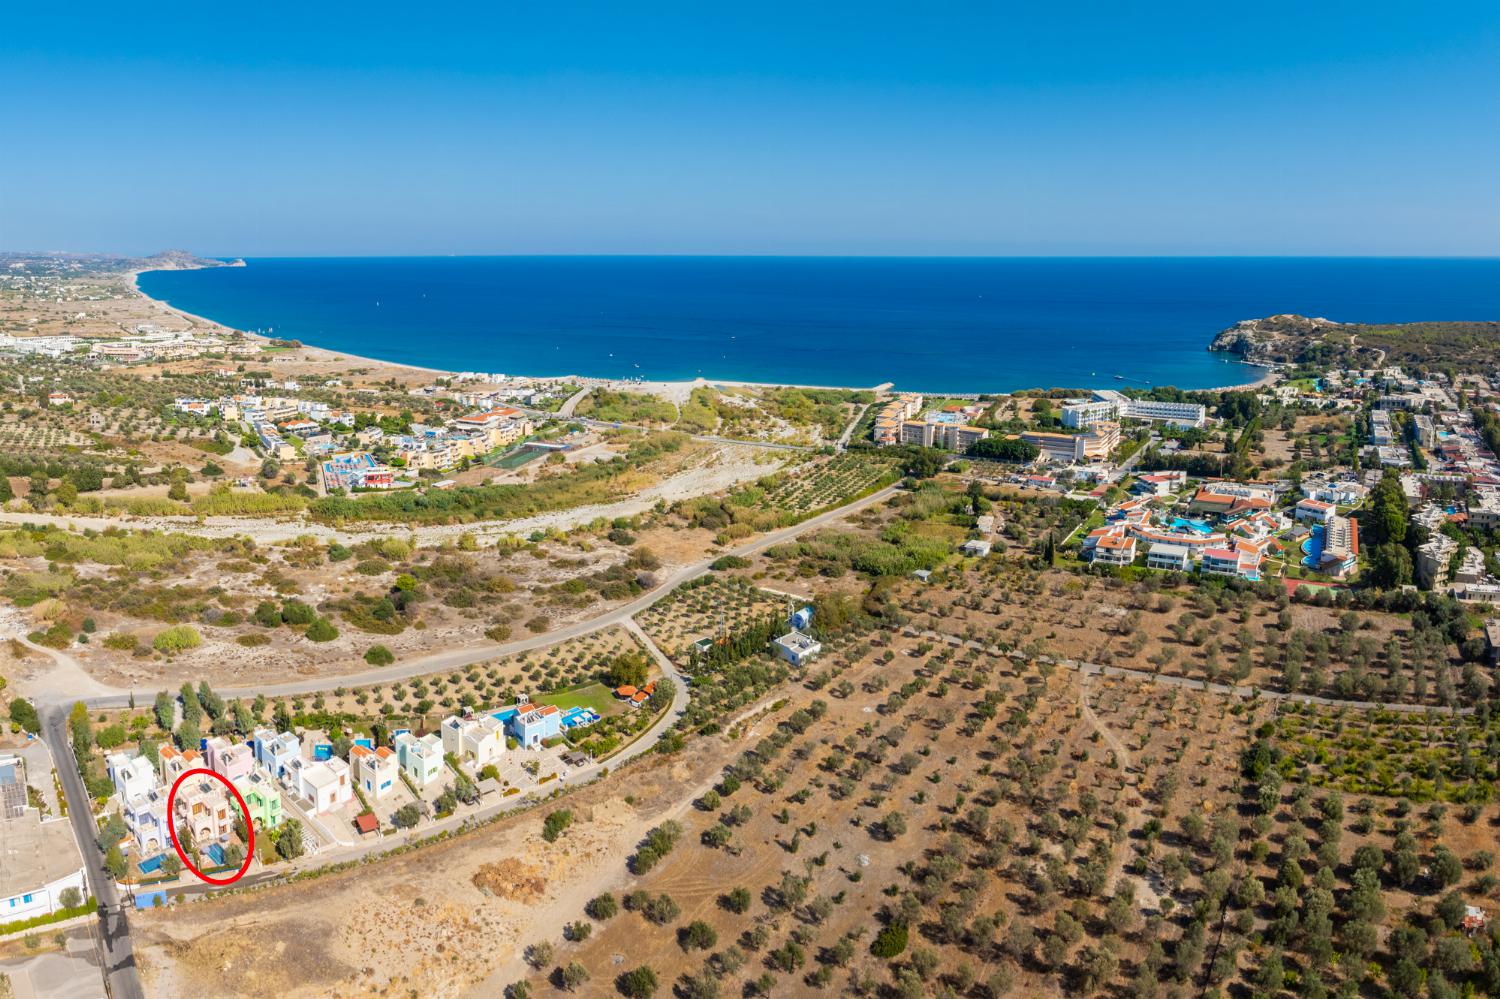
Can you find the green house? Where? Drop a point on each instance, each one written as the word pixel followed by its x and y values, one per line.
pixel 262 799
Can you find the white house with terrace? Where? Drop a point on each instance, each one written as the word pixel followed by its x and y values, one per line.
pixel 480 741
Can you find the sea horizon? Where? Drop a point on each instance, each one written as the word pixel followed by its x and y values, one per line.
pixel 961 324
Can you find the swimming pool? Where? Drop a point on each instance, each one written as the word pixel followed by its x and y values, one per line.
pixel 1198 526
pixel 1313 547
pixel 579 717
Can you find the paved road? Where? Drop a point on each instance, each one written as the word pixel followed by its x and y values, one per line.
pixel 455 658
pixel 643 744
pixel 114 928
pixel 843 441
pixel 680 696
pixel 566 409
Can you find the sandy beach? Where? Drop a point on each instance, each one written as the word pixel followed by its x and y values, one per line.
pixel 674 391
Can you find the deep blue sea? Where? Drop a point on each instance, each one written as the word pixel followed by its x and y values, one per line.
pixel 933 324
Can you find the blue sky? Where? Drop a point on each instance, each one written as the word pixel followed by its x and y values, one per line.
pixel 872 128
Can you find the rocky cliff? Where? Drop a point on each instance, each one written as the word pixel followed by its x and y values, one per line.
pixel 1285 339
pixel 182 260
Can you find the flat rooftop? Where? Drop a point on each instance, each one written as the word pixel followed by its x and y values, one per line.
pixel 34 853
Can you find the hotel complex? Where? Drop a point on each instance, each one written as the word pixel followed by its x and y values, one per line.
pixel 945 428
pixel 1111 405
pixel 1098 442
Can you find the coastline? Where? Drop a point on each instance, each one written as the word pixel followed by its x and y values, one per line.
pixel 673 387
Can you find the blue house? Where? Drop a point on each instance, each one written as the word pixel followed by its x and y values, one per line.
pixel 532 726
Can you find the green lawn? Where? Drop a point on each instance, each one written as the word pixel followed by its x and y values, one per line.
pixel 591 695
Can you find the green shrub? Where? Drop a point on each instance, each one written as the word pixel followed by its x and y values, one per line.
pixel 890 941
pixel 178 638
pixel 296 612
pixel 379 655
pixel 321 630
pixel 555 823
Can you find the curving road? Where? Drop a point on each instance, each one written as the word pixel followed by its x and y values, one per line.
pixel 454 658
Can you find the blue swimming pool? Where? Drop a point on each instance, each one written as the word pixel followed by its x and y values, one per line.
pixel 153 865
pixel 215 853
pixel 1200 526
pixel 1312 548
pixel 579 717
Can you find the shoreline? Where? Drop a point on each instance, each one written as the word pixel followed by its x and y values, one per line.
pixel 1268 377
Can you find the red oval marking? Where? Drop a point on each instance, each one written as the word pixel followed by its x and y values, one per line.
pixel 172 827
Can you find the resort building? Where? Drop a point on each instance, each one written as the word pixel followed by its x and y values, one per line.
pixel 1335 546
pixel 1166 556
pixel 1222 499
pixel 936 433
pixel 893 414
pixel 1114 550
pixel 353 470
pixel 1484 509
pixel 1110 405
pixel 480 740
pixel 1433 559
pixel 1315 511
pixel 421 758
pixel 1177 414
pixel 1159 483
pixel 1337 493
pixel 1243 560
pixel 1080 415
pixel 374 770
pixel 1099 441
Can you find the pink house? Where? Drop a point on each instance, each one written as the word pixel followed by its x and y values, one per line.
pixel 232 760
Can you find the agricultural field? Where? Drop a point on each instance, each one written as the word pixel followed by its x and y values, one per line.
pixel 1254 636
pixel 915 816
pixel 710 607
pixel 575 663
pixel 999 829
pixel 1419 757
pixel 786 497
pixel 819 485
